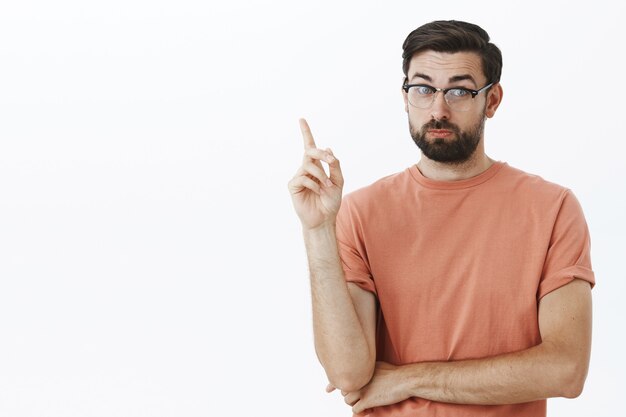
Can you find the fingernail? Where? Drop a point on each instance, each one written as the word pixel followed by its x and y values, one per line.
pixel 330 159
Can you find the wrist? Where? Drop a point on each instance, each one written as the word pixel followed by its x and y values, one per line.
pixel 321 245
pixel 412 376
pixel 321 230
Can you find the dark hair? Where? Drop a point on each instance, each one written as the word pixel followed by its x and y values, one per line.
pixel 454 36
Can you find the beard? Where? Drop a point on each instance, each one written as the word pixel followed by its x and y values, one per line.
pixel 453 150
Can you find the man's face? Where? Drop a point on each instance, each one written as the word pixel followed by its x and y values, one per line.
pixel 443 134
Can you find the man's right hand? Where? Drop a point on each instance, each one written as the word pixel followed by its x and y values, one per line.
pixel 315 196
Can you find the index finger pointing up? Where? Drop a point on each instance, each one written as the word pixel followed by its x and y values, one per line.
pixel 306 134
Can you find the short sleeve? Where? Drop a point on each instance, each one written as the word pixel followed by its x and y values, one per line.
pixel 352 250
pixel 568 255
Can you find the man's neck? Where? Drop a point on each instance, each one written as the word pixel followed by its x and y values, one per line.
pixel 440 171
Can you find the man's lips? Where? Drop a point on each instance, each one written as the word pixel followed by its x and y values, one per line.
pixel 440 133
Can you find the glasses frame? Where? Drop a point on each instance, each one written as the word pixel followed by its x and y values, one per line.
pixel 474 93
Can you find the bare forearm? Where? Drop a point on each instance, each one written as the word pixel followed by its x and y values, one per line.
pixel 557 367
pixel 536 373
pixel 340 341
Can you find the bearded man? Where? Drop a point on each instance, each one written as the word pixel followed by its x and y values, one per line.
pixel 460 286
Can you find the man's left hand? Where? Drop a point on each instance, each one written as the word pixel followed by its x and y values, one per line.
pixel 387 386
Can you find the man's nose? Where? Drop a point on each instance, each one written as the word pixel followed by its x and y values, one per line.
pixel 440 109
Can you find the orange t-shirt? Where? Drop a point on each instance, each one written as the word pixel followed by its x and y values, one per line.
pixel 458 268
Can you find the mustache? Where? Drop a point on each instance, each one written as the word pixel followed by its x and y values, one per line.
pixel 440 124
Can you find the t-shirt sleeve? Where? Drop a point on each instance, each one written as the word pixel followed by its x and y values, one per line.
pixel 568 255
pixel 352 250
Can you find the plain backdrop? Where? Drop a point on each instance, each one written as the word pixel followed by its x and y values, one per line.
pixel 151 262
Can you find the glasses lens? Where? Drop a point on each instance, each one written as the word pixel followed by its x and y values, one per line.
pixel 459 99
pixel 421 96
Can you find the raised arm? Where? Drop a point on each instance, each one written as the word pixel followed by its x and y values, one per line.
pixel 344 316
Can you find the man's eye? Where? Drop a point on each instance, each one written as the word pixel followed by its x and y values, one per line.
pixel 458 92
pixel 424 90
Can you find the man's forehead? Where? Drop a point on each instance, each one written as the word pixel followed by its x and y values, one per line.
pixel 445 65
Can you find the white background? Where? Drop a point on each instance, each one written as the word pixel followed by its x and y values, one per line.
pixel 151 263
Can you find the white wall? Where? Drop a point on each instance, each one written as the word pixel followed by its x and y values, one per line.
pixel 151 263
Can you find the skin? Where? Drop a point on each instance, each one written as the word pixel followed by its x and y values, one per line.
pixel 344 315
pixel 345 348
pixel 440 68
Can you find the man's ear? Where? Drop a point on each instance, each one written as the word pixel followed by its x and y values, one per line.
pixel 405 97
pixel 494 98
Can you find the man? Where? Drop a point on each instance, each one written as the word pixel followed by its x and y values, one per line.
pixel 460 286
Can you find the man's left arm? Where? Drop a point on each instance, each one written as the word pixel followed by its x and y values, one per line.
pixel 557 367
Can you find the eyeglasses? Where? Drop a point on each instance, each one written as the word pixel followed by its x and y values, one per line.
pixel 423 96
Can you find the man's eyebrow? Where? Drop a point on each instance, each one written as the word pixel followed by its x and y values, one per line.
pixel 462 77
pixel 424 76
pixel 451 80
